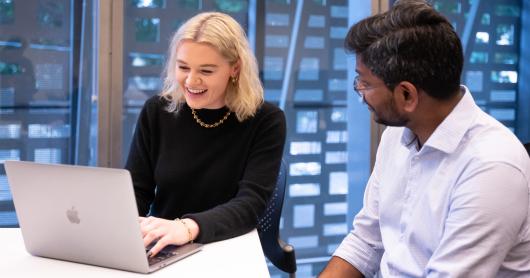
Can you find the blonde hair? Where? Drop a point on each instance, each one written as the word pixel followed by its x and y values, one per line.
pixel 221 31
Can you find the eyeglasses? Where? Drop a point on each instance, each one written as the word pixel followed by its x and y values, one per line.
pixel 359 87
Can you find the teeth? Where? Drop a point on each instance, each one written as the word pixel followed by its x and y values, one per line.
pixel 195 91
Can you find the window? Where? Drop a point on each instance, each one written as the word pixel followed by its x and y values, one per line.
pixel 46 72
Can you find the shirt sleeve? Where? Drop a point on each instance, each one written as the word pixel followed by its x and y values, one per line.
pixel 363 246
pixel 481 227
pixel 140 161
pixel 240 214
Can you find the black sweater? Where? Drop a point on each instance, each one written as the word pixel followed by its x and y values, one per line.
pixel 220 177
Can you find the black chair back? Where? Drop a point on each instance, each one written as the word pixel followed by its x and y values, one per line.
pixel 276 250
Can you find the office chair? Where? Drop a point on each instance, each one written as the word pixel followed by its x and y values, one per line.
pixel 276 250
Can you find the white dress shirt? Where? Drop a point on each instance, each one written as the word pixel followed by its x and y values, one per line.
pixel 457 207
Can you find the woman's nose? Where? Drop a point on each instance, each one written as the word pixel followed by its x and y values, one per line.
pixel 193 79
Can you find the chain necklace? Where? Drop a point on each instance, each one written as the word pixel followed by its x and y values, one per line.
pixel 205 125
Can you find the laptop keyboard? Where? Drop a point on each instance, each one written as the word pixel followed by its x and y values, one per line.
pixel 161 256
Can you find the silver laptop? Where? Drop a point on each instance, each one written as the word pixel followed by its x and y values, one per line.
pixel 83 214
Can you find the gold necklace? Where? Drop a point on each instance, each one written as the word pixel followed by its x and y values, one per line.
pixel 205 125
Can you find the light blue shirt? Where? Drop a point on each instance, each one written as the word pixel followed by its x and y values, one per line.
pixel 458 207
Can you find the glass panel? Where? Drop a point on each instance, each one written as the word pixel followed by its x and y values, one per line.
pixel 478 57
pixel 231 6
pixel 147 3
pixel 6 11
pixel 304 189
pixel 506 58
pixel 277 19
pixel 309 69
pixel 306 121
pixel 486 19
pixel 482 37
pixel 448 7
pixel 507 10
pixel 504 76
pixel 298 148
pixel 47 101
pixel 505 34
pixel 147 29
pixel 304 216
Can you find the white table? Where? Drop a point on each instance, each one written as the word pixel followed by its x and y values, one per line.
pixel 237 257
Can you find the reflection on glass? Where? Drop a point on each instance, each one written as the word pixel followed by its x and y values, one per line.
pixel 335 229
pixel 304 169
pixel 5 193
pixel 277 19
pixel 504 76
pixel 276 41
pixel 306 121
pixel 485 19
pixel 339 115
pixel 316 21
pixel 146 59
pixel 147 29
pixel 190 4
pixel 231 6
pixel 502 114
pixel 338 183
pixel 482 37
pixel 144 83
pixel 9 131
pixel 448 7
pixel 309 69
pixel 48 131
pixel 505 34
pixel 336 157
pixel 304 189
pixel 51 14
pixel 507 10
pixel 303 242
pixel 298 148
pixel 314 42
pixel 47 155
pixel 7 99
pixel 478 57
pixel 273 68
pixel 335 208
pixel 336 136
pixel 506 58
pixel 310 95
pixel 147 3
pixel 503 95
pixel 9 155
pixel 303 216
pixel 474 80
pixel 6 11
pixel 9 68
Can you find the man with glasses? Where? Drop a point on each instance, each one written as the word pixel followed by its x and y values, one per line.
pixel 449 192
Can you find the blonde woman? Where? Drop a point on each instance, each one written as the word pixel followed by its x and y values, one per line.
pixel 206 152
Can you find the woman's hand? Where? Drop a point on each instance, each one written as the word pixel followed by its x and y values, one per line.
pixel 166 232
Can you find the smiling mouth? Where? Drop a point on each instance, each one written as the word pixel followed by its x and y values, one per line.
pixel 196 91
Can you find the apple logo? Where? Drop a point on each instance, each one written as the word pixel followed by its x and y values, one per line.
pixel 72 216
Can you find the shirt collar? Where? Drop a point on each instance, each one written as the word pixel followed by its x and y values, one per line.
pixel 447 136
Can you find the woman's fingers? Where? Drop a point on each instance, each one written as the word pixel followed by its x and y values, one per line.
pixel 160 244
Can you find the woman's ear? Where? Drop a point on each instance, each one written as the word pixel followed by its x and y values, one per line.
pixel 407 96
pixel 236 68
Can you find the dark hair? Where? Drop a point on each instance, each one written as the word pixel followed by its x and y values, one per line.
pixel 411 42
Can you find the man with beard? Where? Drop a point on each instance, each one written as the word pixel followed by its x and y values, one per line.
pixel 449 192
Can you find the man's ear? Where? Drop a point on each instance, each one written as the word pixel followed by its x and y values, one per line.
pixel 407 96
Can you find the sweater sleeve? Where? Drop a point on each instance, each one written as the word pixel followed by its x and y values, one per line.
pixel 240 214
pixel 140 162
